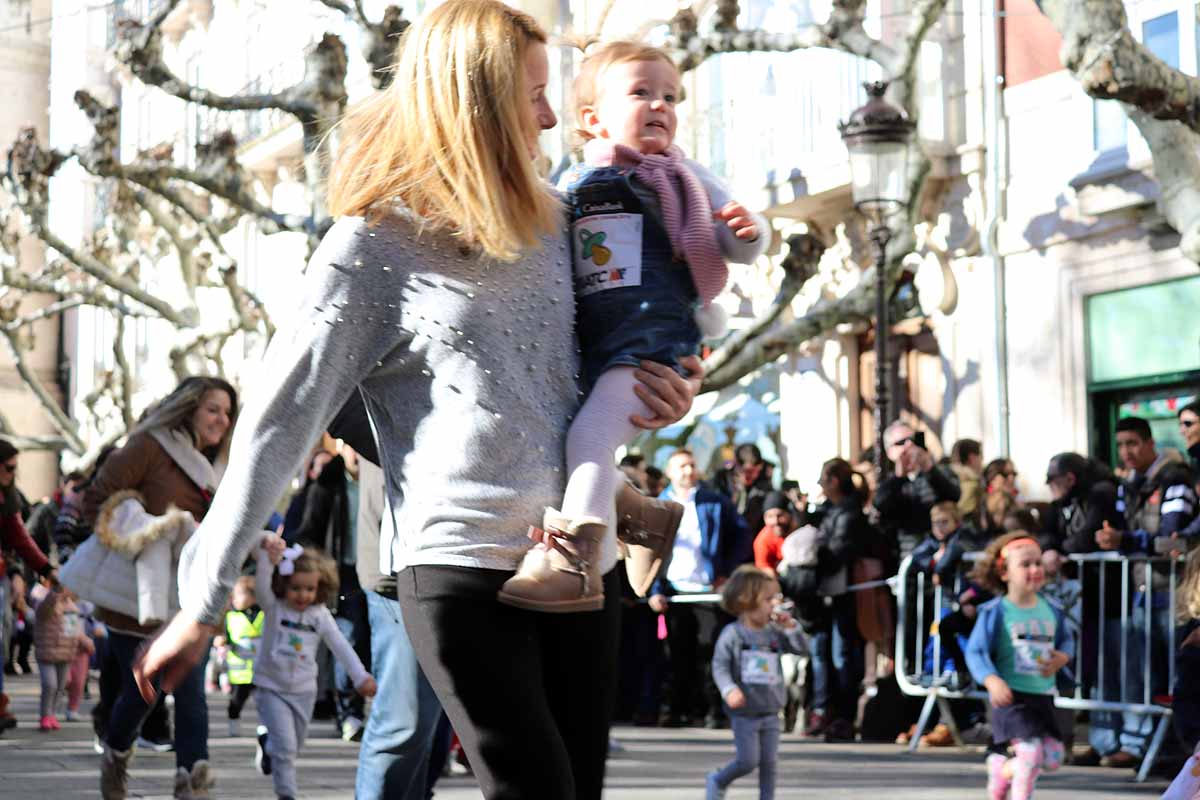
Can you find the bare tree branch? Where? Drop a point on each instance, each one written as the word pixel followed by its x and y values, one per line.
pixel 45 312
pixel 1176 153
pixel 125 378
pixel 800 264
pixel 1110 64
pixel 58 417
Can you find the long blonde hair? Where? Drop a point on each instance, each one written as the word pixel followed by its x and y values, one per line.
pixel 449 137
pixel 175 411
pixel 1187 597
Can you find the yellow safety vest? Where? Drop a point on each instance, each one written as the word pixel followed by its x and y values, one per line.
pixel 244 635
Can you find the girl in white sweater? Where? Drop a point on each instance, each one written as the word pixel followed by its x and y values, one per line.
pixel 293 584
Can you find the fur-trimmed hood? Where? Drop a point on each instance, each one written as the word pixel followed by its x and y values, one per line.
pixel 127 528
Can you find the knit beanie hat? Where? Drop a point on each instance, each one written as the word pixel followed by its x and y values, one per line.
pixel 776 500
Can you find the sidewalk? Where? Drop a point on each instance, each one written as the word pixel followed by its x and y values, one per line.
pixel 657 764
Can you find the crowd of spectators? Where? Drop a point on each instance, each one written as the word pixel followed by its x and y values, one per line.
pixel 856 531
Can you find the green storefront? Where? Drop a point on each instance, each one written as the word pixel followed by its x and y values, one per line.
pixel 1143 348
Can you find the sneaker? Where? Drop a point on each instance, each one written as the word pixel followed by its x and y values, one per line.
pixel 352 729
pixel 235 728
pixel 73 716
pixel 98 745
pixel 54 723
pixel 155 744
pixel 998 783
pixel 45 724
pixel 114 774
pixel 712 789
pixel 979 733
pixel 261 759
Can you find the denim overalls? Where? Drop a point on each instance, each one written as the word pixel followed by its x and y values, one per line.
pixel 634 300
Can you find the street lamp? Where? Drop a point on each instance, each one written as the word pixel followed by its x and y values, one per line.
pixel 877 136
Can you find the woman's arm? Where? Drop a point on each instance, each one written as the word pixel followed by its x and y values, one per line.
pixel 306 374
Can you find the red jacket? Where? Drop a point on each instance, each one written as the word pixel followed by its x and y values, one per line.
pixel 13 535
pixel 768 549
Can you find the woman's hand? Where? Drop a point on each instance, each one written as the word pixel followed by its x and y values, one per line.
pixel 274 545
pixel 171 655
pixel 735 698
pixel 368 687
pixel 998 691
pixel 1058 660
pixel 668 394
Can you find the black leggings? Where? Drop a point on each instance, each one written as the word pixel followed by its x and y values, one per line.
pixel 237 699
pixel 530 694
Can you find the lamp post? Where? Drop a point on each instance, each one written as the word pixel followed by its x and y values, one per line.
pixel 877 137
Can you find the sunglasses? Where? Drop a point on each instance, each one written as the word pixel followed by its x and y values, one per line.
pixel 904 441
pixel 9 468
pixel 1187 423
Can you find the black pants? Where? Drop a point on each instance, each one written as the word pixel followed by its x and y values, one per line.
pixel 692 631
pixel 237 699
pixel 530 694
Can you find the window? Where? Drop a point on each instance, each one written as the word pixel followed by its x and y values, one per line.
pixel 1108 126
pixel 1143 332
pixel 1161 37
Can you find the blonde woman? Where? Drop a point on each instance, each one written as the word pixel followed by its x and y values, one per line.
pixel 173 459
pixel 444 293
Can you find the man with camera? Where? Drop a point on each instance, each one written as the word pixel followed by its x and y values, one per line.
pixel 917 484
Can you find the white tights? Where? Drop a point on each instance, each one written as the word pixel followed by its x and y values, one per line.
pixel 601 426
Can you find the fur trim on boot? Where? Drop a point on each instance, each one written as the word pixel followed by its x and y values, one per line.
pixel 114 773
pixel 561 575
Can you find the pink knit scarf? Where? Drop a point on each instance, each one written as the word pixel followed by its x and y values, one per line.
pixel 685 209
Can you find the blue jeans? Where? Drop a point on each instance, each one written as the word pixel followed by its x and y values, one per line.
pixel 351 620
pixel 818 649
pixel 757 742
pixel 846 658
pixel 129 710
pixel 1111 731
pixel 396 744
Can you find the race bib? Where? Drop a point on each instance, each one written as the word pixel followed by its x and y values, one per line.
pixel 761 667
pixel 1032 647
pixel 71 627
pixel 607 252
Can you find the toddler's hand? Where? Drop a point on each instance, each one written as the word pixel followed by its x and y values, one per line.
pixel 739 220
pixel 998 691
pixel 1058 660
pixel 368 687
pixel 735 698
pixel 274 545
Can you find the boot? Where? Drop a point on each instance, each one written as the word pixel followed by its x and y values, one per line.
pixel 647 526
pixel 7 720
pixel 114 773
pixel 561 574
pixel 194 785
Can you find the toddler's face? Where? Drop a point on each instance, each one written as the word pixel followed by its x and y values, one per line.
pixel 243 597
pixel 302 589
pixel 636 106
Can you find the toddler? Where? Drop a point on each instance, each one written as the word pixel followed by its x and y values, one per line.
pixel 747 668
pixel 1018 644
pixel 58 638
pixel 296 622
pixel 243 634
pixel 650 232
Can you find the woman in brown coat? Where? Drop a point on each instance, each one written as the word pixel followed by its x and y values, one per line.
pixel 173 459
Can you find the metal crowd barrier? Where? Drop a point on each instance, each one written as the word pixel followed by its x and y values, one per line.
pixel 941 688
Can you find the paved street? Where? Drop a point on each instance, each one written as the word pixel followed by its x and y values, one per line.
pixel 657 764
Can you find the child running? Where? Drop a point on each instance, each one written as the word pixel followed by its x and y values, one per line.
pixel 651 231
pixel 243 635
pixel 58 637
pixel 293 597
pixel 1019 642
pixel 748 671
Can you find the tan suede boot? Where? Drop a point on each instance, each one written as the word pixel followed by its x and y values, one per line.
pixel 647 526
pixel 562 574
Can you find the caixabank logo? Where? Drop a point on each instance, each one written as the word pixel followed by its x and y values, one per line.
pixel 607 252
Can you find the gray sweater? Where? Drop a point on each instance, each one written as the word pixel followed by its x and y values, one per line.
pixel 469 372
pixel 766 694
